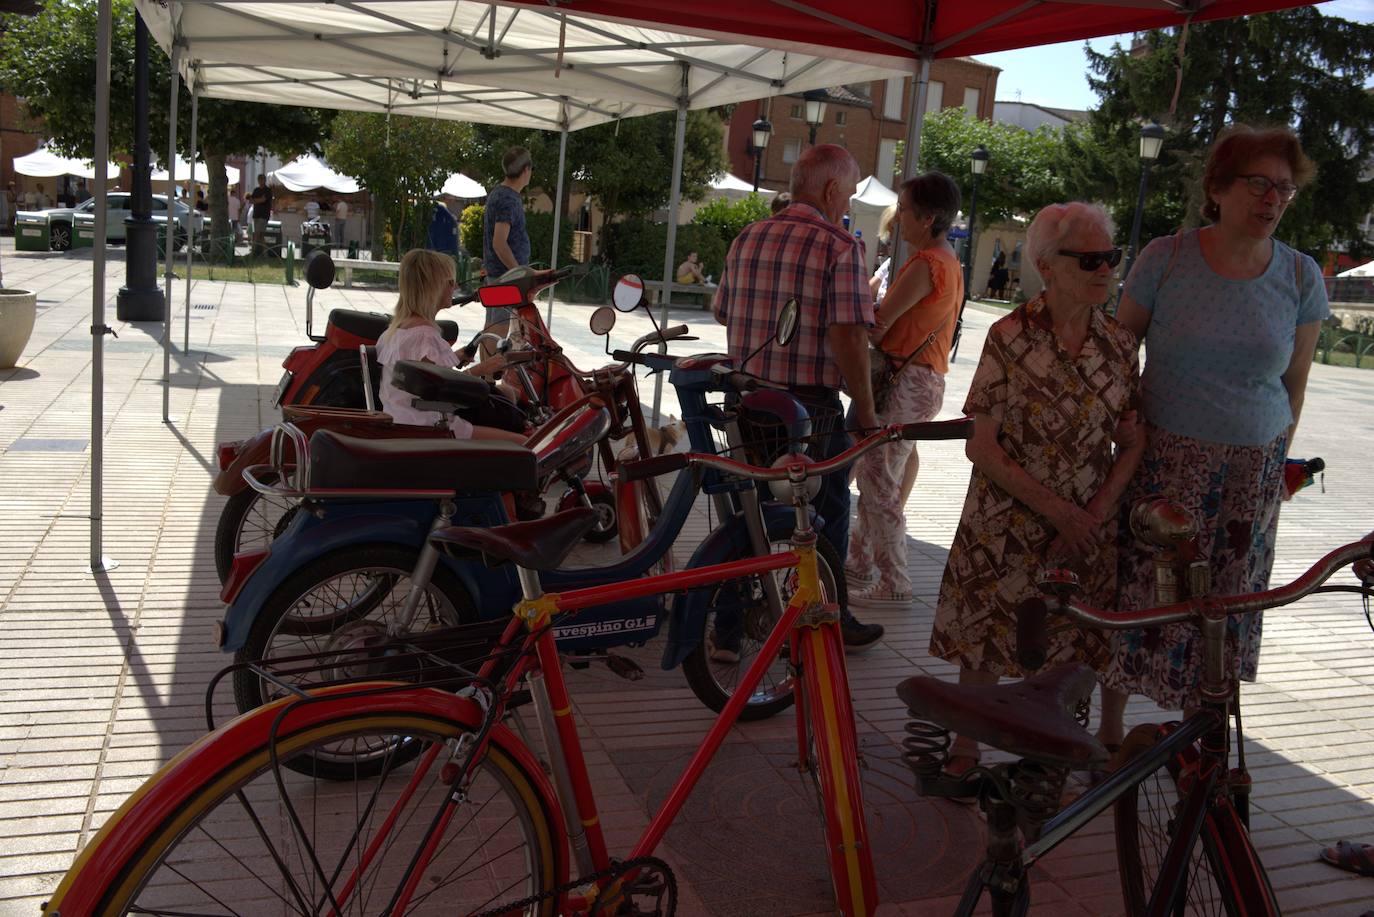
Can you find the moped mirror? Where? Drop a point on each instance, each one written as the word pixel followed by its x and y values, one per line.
pixel 786 328
pixel 628 293
pixel 602 320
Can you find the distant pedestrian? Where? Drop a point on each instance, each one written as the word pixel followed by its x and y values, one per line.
pixel 262 212
pixel 341 222
pixel 505 243
pixel 202 204
pixel 83 194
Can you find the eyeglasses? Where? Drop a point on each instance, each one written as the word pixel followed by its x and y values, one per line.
pixel 1259 186
pixel 1091 261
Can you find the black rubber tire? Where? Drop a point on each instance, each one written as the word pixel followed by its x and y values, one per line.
pixel 238 509
pixel 1143 818
pixel 207 844
pixel 703 674
pixel 607 525
pixel 60 236
pixel 386 567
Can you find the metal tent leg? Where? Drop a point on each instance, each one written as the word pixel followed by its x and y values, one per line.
pixel 99 563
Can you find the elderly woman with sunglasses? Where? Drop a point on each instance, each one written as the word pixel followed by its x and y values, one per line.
pixel 1055 386
pixel 1229 316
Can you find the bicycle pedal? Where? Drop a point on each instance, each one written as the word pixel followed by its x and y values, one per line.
pixel 625 667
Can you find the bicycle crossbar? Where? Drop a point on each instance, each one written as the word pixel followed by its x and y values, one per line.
pixel 576 599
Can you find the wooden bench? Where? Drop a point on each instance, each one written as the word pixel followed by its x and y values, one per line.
pixel 703 292
pixel 348 264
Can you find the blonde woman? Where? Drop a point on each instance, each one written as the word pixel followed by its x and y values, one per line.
pixel 427 281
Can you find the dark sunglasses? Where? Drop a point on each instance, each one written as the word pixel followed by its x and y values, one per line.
pixel 1091 261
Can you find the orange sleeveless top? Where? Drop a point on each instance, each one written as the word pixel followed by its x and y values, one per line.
pixel 936 312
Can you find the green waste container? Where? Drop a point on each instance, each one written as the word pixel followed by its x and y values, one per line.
pixel 83 230
pixel 31 232
pixel 272 238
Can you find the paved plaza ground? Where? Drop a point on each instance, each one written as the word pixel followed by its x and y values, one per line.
pixel 101 677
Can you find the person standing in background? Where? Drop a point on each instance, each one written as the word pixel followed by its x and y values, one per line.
pixel 262 212
pixel 505 243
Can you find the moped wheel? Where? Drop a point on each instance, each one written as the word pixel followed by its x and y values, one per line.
pixel 1225 876
pixel 250 521
pixel 738 620
pixel 607 525
pixel 338 609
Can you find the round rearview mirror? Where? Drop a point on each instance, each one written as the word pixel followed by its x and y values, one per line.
pixel 628 293
pixel 786 329
pixel 603 320
pixel 319 269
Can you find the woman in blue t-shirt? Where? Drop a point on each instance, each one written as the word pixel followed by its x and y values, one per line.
pixel 1230 318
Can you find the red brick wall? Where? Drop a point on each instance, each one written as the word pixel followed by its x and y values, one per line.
pixel 863 129
pixel 17 138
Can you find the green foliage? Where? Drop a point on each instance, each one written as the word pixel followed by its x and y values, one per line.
pixel 730 217
pixel 470 229
pixel 399 160
pixel 1296 67
pixel 1021 175
pixel 539 226
pixel 639 246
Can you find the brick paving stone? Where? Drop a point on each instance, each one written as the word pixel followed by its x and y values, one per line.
pixel 101 677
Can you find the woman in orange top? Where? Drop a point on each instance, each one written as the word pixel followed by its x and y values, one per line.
pixel 922 300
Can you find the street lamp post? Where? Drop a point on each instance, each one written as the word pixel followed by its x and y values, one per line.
pixel 1151 141
pixel 762 130
pixel 815 110
pixel 978 162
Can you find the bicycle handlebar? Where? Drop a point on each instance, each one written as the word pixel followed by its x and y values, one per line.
pixel 1032 613
pixel 800 470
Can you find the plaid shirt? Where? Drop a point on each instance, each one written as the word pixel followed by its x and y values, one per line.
pixel 796 253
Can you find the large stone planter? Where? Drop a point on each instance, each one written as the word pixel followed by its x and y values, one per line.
pixel 17 311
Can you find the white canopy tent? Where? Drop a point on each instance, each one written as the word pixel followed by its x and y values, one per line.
pixel 308 173
pixel 866 208
pixel 727 185
pixel 201 175
pixel 43 163
pixel 462 187
pixel 1363 270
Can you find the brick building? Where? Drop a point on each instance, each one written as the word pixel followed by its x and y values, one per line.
pixel 868 119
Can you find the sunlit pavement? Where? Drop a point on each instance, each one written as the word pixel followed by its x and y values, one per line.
pixel 102 677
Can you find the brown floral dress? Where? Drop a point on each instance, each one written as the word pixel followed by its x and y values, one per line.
pixel 1057 416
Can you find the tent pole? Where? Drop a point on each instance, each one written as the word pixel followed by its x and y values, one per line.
pixel 912 152
pixel 99 563
pixel 190 217
pixel 674 200
pixel 558 207
pixel 171 170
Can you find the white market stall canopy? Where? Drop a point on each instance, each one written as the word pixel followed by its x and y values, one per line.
pixel 307 173
pixel 873 193
pixel 866 208
pixel 42 163
pixel 460 186
pixel 1364 270
pixel 524 67
pixel 202 175
pixel 730 186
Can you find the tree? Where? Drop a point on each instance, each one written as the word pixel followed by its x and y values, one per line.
pixel 1021 176
pixel 1296 67
pixel 48 60
pixel 403 162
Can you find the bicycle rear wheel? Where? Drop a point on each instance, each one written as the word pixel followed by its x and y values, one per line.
pixel 1225 875
pixel 212 833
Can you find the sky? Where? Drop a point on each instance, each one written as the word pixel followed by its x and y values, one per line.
pixel 1041 76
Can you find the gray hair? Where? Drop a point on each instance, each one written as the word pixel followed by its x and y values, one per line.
pixel 1055 223
pixel 819 165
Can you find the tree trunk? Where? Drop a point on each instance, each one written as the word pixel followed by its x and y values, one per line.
pixel 378 227
pixel 218 193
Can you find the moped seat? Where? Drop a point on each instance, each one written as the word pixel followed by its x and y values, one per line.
pixel 370 325
pixel 341 461
pixel 542 544
pixel 1032 718
pixel 439 384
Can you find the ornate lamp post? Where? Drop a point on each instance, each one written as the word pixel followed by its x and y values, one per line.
pixel 978 162
pixel 1151 141
pixel 762 130
pixel 140 299
pixel 815 110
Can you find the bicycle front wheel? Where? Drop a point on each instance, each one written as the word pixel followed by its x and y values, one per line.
pixel 1225 875
pixel 213 832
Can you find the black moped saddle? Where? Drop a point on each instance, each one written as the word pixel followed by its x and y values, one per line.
pixel 340 461
pixel 439 388
pixel 370 325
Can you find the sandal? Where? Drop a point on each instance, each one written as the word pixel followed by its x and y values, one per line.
pixel 1352 857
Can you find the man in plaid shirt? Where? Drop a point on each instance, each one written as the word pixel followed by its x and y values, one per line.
pixel 804 253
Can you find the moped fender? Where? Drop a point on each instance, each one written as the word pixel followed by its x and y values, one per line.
pixel 685 621
pixel 305 540
pixel 251 451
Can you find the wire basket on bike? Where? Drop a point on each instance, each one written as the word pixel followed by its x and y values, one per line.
pixel 764 437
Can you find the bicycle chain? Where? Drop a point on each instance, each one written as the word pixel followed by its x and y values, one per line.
pixel 613 872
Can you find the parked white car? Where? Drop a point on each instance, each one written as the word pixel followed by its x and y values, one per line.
pixel 117 206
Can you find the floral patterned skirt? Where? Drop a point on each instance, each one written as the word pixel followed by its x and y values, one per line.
pixel 1234 493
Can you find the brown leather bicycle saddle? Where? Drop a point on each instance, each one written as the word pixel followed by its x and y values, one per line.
pixel 338 460
pixel 1032 718
pixel 542 544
